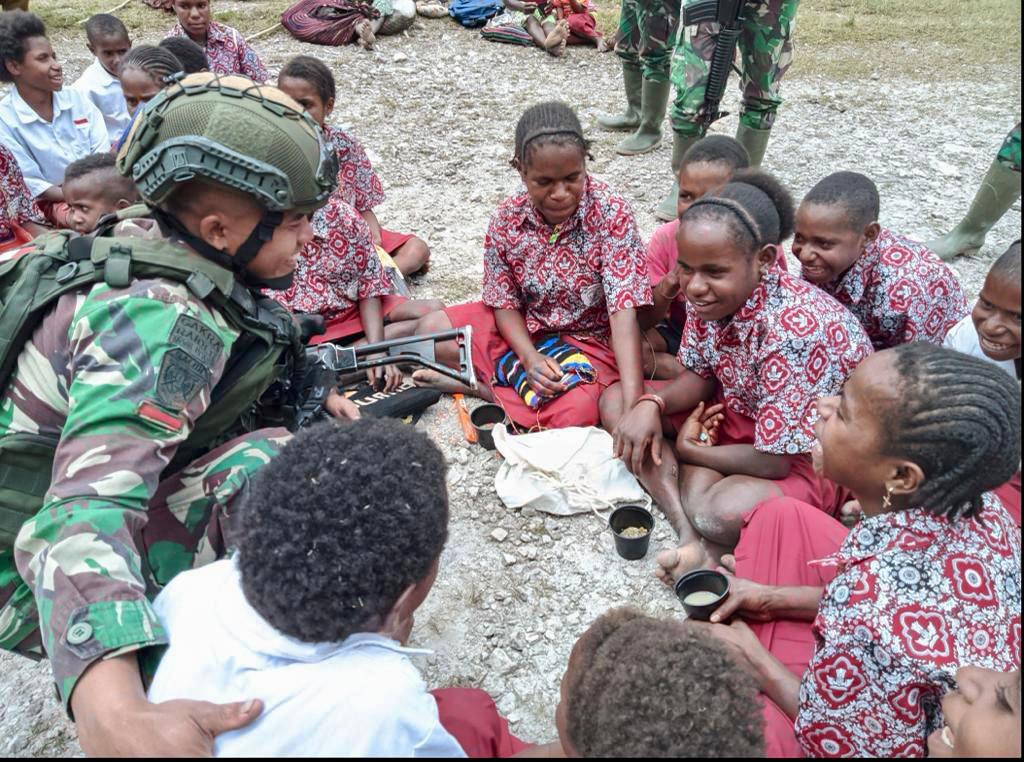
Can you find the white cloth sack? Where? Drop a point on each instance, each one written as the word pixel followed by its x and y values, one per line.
pixel 563 472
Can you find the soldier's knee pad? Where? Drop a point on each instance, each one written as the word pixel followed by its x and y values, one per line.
pixel 759 115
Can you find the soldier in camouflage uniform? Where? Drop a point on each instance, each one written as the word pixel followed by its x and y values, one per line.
pixel 998 192
pixel 118 378
pixel 646 36
pixel 765 51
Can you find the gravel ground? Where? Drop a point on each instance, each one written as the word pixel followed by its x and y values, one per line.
pixel 436 110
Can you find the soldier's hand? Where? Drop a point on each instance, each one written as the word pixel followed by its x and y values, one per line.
pixel 114 719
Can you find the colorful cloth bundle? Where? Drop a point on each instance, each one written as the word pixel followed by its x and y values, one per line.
pixel 326 22
pixel 508 28
pixel 576 369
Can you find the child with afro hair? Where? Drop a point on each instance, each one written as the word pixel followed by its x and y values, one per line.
pixel 339 543
pixel 642 687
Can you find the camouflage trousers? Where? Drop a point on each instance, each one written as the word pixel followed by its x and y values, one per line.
pixel 1009 153
pixel 766 51
pixel 647 34
pixel 188 525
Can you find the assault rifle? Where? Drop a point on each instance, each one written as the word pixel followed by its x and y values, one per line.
pixel 324 362
pixel 729 15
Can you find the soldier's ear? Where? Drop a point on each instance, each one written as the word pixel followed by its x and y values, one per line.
pixel 213 229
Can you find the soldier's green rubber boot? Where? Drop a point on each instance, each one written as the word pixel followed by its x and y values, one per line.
pixel 647 137
pixel 755 141
pixel 680 145
pixel 632 80
pixel 998 192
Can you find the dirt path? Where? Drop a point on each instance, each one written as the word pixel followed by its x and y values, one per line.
pixel 437 111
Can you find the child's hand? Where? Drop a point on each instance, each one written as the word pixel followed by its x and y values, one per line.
pixel 668 286
pixel 544 375
pixel 340 406
pixel 529 8
pixel 392 378
pixel 701 428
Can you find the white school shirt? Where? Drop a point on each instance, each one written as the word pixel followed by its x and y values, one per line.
pixel 362 697
pixel 963 337
pixel 104 90
pixel 43 149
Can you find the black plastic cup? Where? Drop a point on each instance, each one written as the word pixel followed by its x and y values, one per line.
pixel 484 419
pixel 702 581
pixel 623 517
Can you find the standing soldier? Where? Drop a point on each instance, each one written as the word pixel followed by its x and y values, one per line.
pixel 128 358
pixel 998 192
pixel 647 32
pixel 763 32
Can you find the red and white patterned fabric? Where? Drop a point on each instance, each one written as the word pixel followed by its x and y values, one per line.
pixel 568 278
pixel 338 268
pixel 16 203
pixel 915 598
pixel 789 345
pixel 358 184
pixel 228 52
pixel 901 292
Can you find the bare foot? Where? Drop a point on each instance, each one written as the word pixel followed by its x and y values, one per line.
pixel 555 42
pixel 672 564
pixel 431 379
pixel 365 34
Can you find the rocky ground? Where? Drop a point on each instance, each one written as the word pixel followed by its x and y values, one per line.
pixel 437 108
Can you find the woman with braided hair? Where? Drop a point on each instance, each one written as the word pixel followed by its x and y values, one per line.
pixel 928 582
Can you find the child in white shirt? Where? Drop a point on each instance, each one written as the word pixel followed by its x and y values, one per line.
pixel 338 542
pixel 992 330
pixel 108 40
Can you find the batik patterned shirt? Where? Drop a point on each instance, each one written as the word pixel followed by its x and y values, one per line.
pixel 915 598
pixel 358 184
pixel 228 52
pixel 787 346
pixel 16 203
pixel 901 292
pixel 338 268
pixel 571 277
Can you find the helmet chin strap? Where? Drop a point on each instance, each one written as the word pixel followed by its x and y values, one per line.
pixel 246 253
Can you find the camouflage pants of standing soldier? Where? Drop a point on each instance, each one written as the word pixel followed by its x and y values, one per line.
pixel 766 52
pixel 1009 153
pixel 188 526
pixel 647 33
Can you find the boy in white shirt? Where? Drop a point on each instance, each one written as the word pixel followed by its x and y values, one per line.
pixel 339 541
pixel 992 330
pixel 108 40
pixel 43 125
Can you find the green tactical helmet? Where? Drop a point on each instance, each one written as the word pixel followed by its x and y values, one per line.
pixel 230 131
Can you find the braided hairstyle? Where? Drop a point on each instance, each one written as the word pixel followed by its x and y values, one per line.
pixel 958 419
pixel 757 209
pixel 15 28
pixel 159 63
pixel 313 71
pixel 192 57
pixel 548 123
pixel 857 194
pixel 644 687
pixel 717 149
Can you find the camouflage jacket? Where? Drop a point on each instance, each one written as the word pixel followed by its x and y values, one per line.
pixel 120 377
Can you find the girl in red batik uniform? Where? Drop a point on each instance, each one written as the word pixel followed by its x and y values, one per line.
pixel 878 621
pixel 226 49
pixel 759 347
pixel 563 258
pixel 898 289
pixel 311 83
pixel 20 217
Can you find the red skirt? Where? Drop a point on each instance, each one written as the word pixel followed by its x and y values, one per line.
pixel 778 540
pixel 391 241
pixel 582 28
pixel 577 407
pixel 470 716
pixel 1009 496
pixel 19 237
pixel 802 483
pixel 350 325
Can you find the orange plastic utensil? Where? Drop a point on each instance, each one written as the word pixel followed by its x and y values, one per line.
pixel 467 426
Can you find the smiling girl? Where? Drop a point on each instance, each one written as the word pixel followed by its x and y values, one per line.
pixel 758 349
pixel 563 260
pixel 226 49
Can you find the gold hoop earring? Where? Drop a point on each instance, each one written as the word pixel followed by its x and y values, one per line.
pixel 887 500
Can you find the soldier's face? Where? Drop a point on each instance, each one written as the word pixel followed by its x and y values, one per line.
pixel 279 256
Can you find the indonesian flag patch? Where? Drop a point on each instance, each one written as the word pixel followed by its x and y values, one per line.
pixel 153 413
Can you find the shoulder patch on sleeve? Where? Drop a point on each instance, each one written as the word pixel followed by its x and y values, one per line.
pixel 181 377
pixel 197 339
